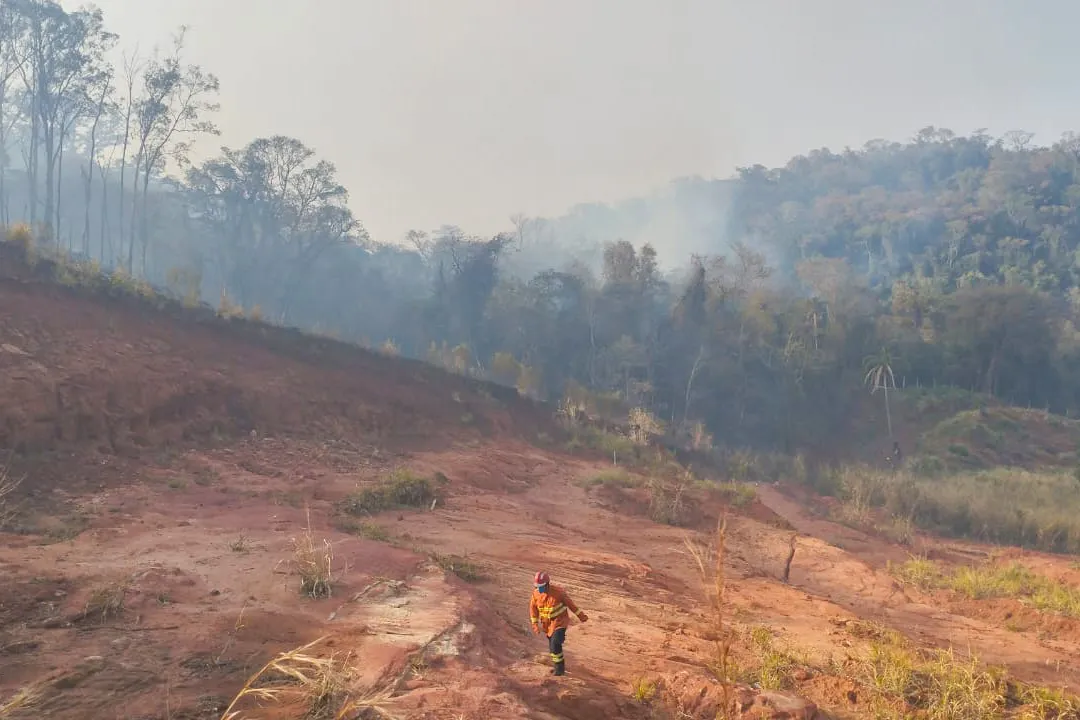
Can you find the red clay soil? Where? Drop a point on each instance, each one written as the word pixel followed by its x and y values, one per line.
pixel 171 463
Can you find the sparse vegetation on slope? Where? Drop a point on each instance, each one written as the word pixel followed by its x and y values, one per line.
pixel 362 528
pixel 993 580
pixel 942 685
pixel 106 601
pixel 775 665
pixel 1009 506
pixel 671 491
pixel 611 478
pixel 458 565
pixel 986 438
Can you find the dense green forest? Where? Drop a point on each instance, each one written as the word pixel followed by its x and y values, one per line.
pixel 943 261
pixel 762 305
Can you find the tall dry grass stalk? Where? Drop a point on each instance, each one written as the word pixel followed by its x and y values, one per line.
pixel 22 701
pixel 8 485
pixel 710 564
pixel 313 564
pixel 319 687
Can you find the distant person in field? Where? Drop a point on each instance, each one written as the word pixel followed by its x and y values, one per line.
pixel 550 608
pixel 896 459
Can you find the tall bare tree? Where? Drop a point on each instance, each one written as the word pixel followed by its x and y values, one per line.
pixel 12 57
pixel 103 104
pixel 133 68
pixel 64 52
pixel 170 112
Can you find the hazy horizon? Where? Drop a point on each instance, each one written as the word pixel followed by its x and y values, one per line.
pixel 466 113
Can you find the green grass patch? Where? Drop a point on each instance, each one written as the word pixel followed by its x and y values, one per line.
pixel 918 403
pixel 365 529
pixel 613 477
pixel 775 666
pixel 937 685
pixel 619 447
pixel 898 680
pixel 737 494
pixel 904 681
pixel 1008 506
pixel 991 437
pixel 990 581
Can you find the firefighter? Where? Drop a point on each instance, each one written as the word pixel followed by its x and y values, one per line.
pixel 550 608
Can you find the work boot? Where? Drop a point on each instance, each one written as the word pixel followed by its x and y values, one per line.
pixel 560 669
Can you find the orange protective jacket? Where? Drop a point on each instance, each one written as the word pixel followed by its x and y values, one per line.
pixel 549 609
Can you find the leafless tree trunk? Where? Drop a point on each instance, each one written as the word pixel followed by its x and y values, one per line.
pixel 790 557
pixel 12 63
pixel 105 236
pixel 134 214
pixel 104 219
pixel 698 362
pixel 132 67
pixel 89 175
pixel 59 191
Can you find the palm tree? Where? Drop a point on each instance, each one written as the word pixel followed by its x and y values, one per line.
pixel 879 374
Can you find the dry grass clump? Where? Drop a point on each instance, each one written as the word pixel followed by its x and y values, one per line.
pixel 20 234
pixel 315 687
pixel 459 565
pixel 643 426
pixel 106 601
pixel 242 544
pixel 667 501
pixel 313 563
pixel 642 690
pixel 227 308
pixel 24 699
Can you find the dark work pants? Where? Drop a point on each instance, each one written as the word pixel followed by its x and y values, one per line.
pixel 555 643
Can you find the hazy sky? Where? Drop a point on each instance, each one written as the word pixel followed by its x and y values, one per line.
pixel 466 111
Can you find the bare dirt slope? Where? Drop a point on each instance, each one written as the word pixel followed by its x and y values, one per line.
pixel 172 465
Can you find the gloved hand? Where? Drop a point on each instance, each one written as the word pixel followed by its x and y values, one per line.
pixel 582 617
pixel 536 629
